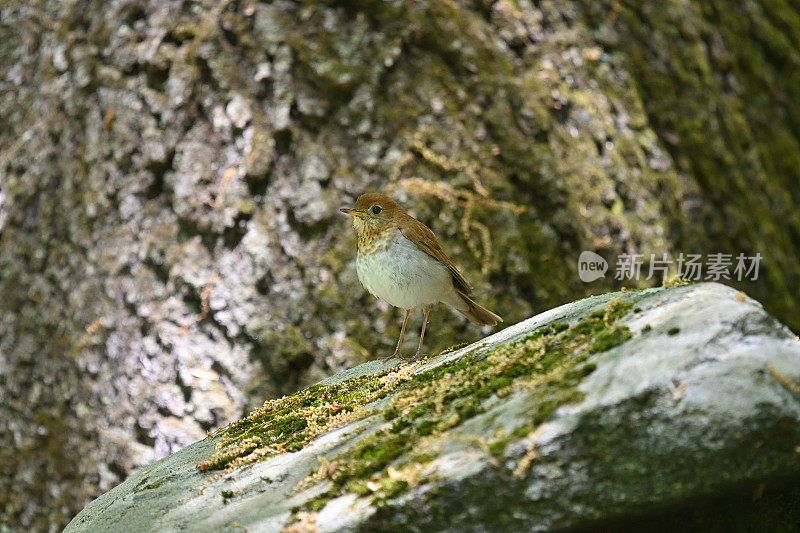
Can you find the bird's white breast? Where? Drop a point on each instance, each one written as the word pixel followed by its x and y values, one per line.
pixel 402 275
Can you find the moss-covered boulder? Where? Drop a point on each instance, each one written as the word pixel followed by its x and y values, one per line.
pixel 668 407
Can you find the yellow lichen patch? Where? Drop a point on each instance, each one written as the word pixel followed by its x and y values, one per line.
pixel 469 168
pixel 785 381
pixel 204 308
pixel 480 443
pixel 676 281
pixel 408 474
pixel 530 455
pixel 324 471
pixel 402 373
pixel 91 329
pixel 304 523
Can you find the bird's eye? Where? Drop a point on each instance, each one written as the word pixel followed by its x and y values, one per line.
pixel 376 210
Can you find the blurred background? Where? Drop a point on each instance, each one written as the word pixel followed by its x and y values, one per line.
pixel 171 251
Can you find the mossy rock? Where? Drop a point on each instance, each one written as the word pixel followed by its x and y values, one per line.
pixel 573 418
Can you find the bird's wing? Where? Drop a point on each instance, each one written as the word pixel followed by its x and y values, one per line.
pixel 419 234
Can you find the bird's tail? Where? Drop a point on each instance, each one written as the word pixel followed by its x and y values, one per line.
pixel 474 312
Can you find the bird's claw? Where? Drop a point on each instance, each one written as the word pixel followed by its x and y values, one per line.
pixel 396 354
pixel 417 357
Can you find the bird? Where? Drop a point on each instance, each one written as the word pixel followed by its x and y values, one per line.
pixel 400 261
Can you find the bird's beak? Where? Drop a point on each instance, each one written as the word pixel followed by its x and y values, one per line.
pixel 355 212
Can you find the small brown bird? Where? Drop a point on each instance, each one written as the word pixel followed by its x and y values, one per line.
pixel 401 262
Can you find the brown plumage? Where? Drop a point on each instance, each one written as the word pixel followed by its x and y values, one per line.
pixel 391 267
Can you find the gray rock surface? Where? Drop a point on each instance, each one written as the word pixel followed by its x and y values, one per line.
pixel 699 404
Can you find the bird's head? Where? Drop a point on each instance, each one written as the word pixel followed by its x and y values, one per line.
pixel 374 213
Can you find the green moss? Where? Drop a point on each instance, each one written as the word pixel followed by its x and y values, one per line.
pixel 372 456
pixel 497 447
pixel 150 486
pixel 646 328
pixel 400 425
pixel 608 338
pixel 550 400
pixel 314 504
pixel 358 487
pixel 467 409
pixel 426 427
pixel 499 382
pixel 560 326
pixel 392 488
pixel 419 410
pixel 454 348
pixel 673 331
pixel 282 425
pixel 520 432
pixel 555 358
pixel 580 372
pixel 548 363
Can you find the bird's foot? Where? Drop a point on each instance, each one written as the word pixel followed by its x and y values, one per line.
pixel 396 354
pixel 419 355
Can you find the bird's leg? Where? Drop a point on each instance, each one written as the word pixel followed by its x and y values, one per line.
pixel 425 312
pixel 400 340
